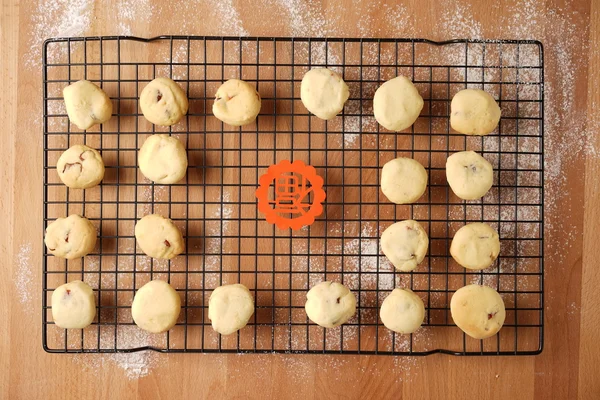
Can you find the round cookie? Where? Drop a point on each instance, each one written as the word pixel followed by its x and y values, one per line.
pixel 163 102
pixel 156 307
pixel 323 92
pixel 80 167
pixel 73 305
pixel 236 103
pixel 475 246
pixel 71 237
pixel 469 175
pixel 402 311
pixel 474 112
pixel 87 104
pixel 330 304
pixel 229 308
pixel 397 104
pixel 158 237
pixel 405 244
pixel 403 180
pixel 478 311
pixel 163 159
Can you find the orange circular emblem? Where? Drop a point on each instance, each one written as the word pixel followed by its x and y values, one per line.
pixel 297 196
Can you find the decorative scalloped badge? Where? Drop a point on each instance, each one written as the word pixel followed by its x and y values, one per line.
pixel 297 196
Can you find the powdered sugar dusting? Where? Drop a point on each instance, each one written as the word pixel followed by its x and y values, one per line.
pixel 132 13
pixel 458 21
pixel 24 277
pixel 57 18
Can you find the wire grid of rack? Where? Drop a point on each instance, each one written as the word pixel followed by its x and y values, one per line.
pixel 229 242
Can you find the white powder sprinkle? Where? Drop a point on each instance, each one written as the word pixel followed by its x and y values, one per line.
pixel 24 277
pixel 132 13
pixel 458 21
pixel 57 18
pixel 306 17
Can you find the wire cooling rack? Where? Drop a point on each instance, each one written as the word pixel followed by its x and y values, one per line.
pixel 228 242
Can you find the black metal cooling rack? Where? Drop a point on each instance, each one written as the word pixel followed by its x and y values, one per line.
pixel 228 242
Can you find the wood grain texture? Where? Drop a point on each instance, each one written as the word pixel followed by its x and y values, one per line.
pixel 567 368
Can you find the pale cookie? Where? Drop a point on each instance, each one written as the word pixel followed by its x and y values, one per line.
pixel 474 112
pixel 475 246
pixel 402 311
pixel 403 180
pixel 323 92
pixel 236 103
pixel 71 237
pixel 163 102
pixel 156 307
pixel 469 175
pixel 405 244
pixel 478 311
pixel 80 167
pixel 158 237
pixel 163 159
pixel 397 104
pixel 87 104
pixel 73 305
pixel 230 308
pixel 330 304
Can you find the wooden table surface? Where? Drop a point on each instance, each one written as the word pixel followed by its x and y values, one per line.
pixel 570 31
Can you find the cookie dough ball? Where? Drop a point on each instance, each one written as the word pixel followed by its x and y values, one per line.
pixel 403 180
pixel 474 112
pixel 158 237
pixel 330 304
pixel 397 104
pixel 73 305
pixel 163 102
pixel 229 308
pixel 478 310
pixel 156 307
pixel 402 311
pixel 236 103
pixel 469 175
pixel 405 244
pixel 87 104
pixel 80 167
pixel 71 237
pixel 323 92
pixel 163 159
pixel 475 246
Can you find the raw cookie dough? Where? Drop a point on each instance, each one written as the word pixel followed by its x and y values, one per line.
pixel 163 102
pixel 470 175
pixel 229 308
pixel 236 103
pixel 474 112
pixel 403 180
pixel 158 237
pixel 80 167
pixel 475 246
pixel 323 92
pixel 87 104
pixel 478 311
pixel 402 311
pixel 405 244
pixel 330 304
pixel 156 307
pixel 73 305
pixel 71 237
pixel 163 159
pixel 397 104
